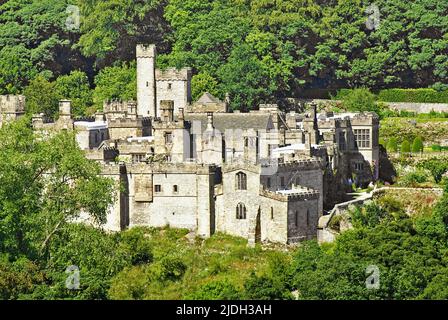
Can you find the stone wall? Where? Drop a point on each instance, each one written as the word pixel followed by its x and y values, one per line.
pixel 175 85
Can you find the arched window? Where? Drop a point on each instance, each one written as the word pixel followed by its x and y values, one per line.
pixel 241 181
pixel 241 211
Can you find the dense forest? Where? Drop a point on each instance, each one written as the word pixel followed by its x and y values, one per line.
pixel 256 50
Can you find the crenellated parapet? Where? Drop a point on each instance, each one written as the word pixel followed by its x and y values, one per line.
pixel 119 106
pixel 12 104
pixel 301 164
pixel 125 123
pixel 173 74
pixel 302 194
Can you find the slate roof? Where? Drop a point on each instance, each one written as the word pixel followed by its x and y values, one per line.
pixel 223 121
pixel 207 98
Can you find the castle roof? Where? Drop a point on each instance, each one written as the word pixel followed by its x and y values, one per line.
pixel 243 121
pixel 207 98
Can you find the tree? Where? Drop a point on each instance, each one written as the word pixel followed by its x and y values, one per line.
pixel 45 183
pixel 110 30
pixel 115 83
pixel 405 146
pixel 392 145
pixel 417 145
pixel 76 88
pixel 41 97
pixel 436 166
pixel 361 99
pixel 35 40
pixel 201 83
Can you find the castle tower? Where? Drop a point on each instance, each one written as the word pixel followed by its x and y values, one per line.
pixel 146 80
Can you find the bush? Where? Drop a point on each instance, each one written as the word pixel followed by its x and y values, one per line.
pixel 413 95
pixel 436 166
pixel 405 146
pixel 438 94
pixel 392 145
pixel 413 178
pixel 417 145
pixel 361 99
pixel 216 290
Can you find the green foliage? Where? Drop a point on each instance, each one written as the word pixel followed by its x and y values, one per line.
pixel 118 82
pixel 405 147
pixel 18 278
pixel 417 145
pixel 34 207
pixel 41 97
pixel 413 95
pixel 221 289
pixel 437 167
pixel 201 83
pixel 34 40
pixel 368 215
pixel 75 87
pixel 414 178
pixel 392 145
pixel 110 30
pixel 361 99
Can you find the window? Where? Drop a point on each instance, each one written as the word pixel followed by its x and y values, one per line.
pixel 169 86
pixel 297 218
pixel 268 182
pixel 282 182
pixel 272 213
pixel 241 211
pixel 147 84
pixel 359 166
pixel 241 181
pixel 175 188
pixel 342 141
pixel 168 137
pixel 158 188
pixel 246 142
pixel 138 157
pixel 270 148
pixel 362 138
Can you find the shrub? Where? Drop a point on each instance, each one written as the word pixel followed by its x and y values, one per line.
pixel 392 145
pixel 413 178
pixel 436 166
pixel 413 95
pixel 417 145
pixel 216 290
pixel 405 146
pixel 361 99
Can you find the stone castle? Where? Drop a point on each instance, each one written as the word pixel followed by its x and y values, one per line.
pixel 265 175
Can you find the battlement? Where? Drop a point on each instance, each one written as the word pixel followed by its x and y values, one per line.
pixel 12 103
pixel 146 51
pixel 297 164
pixel 173 74
pixel 301 194
pixel 169 167
pixel 111 168
pixel 120 106
pixel 127 122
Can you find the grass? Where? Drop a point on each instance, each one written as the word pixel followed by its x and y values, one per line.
pixel 414 202
pixel 217 258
